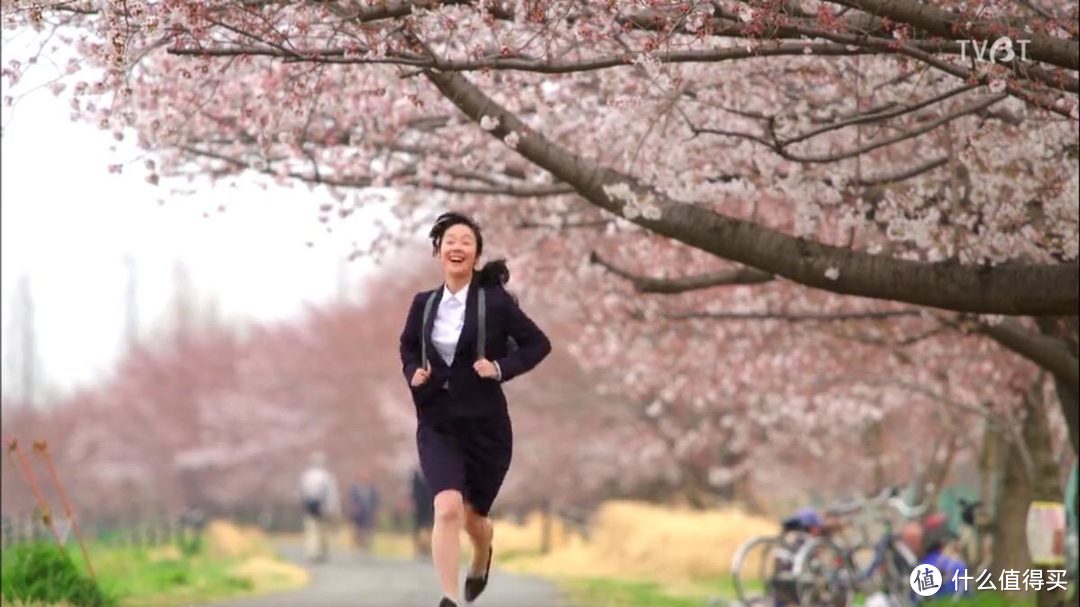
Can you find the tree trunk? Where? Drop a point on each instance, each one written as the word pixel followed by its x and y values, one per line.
pixel 744 494
pixel 1070 407
pixel 1046 484
pixel 938 469
pixel 873 446
pixel 991 467
pixel 1067 330
pixel 1010 549
pixel 1019 488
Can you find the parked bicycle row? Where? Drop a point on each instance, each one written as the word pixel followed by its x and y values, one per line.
pixel 862 551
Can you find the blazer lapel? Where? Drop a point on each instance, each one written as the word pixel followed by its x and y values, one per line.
pixel 433 354
pixel 467 341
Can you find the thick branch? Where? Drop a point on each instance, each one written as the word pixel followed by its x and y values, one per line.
pixel 1047 49
pixel 669 286
pixel 920 49
pixel 913 50
pixel 1012 288
pixel 1047 352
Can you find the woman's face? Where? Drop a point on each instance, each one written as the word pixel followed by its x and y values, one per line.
pixel 458 251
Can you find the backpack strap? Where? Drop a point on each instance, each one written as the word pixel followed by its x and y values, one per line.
pixel 481 329
pixel 423 328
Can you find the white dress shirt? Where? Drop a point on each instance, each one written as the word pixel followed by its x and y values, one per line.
pixel 449 320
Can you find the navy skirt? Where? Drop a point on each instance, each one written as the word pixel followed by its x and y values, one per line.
pixel 466 454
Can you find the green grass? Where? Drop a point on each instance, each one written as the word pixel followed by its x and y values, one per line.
pixel 615 592
pixel 135 575
pixel 46 573
pixel 127 576
pixel 607 592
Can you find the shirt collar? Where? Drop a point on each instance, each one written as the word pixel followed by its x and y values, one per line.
pixel 461 296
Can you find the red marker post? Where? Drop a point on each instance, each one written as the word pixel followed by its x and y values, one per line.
pixel 42 449
pixel 28 476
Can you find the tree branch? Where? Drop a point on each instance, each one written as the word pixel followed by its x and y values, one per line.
pixel 1044 48
pixel 1047 352
pixel 880 115
pixel 780 147
pixel 569 225
pixel 904 175
pixel 794 317
pixel 669 286
pixel 527 64
pixel 511 190
pixel 1011 288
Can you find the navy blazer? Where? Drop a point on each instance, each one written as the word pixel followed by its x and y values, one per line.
pixel 469 394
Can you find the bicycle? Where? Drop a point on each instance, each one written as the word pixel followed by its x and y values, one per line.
pixel 829 573
pixel 762 568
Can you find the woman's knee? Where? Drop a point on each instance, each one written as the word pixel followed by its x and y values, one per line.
pixel 449 508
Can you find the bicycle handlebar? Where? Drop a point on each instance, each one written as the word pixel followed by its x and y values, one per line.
pixel 890 496
pixel 906 511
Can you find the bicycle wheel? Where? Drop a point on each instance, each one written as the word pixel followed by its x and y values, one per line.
pixel 897 566
pixel 884 570
pixel 823 575
pixel 760 571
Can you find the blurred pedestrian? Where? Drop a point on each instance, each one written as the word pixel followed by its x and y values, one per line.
pixel 363 509
pixel 321 503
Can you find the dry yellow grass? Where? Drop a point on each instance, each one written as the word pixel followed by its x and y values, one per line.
pixel 514 538
pixel 636 540
pixel 268 575
pixel 226 540
pixel 260 564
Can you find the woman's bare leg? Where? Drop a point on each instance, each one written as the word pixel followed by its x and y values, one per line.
pixel 446 540
pixel 480 532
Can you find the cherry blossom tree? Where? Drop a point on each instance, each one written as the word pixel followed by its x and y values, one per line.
pixel 841 145
pixel 770 213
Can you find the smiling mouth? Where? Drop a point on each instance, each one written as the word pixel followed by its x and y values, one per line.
pixel 456 259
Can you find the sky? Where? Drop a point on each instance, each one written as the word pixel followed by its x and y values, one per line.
pixel 67 224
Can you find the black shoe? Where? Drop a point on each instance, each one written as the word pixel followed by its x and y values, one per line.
pixel 445 602
pixel 475 585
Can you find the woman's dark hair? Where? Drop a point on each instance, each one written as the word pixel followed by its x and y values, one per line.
pixel 494 272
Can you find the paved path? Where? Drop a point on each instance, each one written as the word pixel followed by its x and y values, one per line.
pixel 352 580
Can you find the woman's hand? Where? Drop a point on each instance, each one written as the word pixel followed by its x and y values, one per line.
pixel 420 377
pixel 486 369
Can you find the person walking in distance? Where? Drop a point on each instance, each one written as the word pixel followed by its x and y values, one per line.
pixel 460 343
pixel 363 509
pixel 321 502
